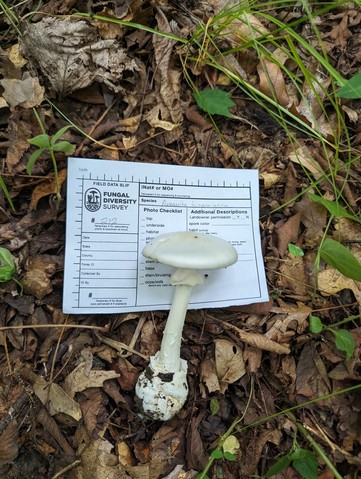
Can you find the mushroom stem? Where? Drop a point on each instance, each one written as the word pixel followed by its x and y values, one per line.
pixel 169 354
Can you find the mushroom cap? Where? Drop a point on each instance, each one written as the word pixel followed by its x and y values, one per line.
pixel 189 249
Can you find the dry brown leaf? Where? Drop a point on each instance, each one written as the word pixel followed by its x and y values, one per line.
pixel 312 380
pixel 19 129
pixel 259 341
pixel 270 179
pixel 37 283
pixel 46 189
pixel 196 456
pixel 16 57
pixel 56 399
pixel 313 217
pixel 330 282
pixel 77 381
pixel 9 444
pixel 289 317
pixel 125 455
pixel 311 107
pixel 208 376
pixel 303 156
pixel 26 92
pixel 99 462
pixel 292 275
pixel 167 77
pixel 229 361
pixel 75 44
pixel 272 83
pixel 288 233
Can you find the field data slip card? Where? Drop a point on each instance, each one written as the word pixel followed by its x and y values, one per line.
pixel 115 208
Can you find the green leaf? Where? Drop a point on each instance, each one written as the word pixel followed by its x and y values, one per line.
pixel 214 406
pixel 306 464
pixel 316 325
pixel 217 454
pixel 6 193
pixel 41 141
pixel 278 466
pixel 229 456
pixel 7 265
pixel 352 87
pixel 214 102
pixel 333 207
pixel 32 160
pixel 345 342
pixel 64 146
pixel 341 258
pixel 59 134
pixel 231 445
pixel 295 250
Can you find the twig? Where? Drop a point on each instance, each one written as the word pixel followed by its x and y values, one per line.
pixel 118 346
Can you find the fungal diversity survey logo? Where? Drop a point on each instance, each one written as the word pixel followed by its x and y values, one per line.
pixel 92 199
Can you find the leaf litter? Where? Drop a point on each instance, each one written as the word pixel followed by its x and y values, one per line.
pixel 73 389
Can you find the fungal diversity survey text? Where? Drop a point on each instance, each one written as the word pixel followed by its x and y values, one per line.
pixel 115 208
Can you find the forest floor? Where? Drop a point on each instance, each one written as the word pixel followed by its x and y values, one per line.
pixel 67 407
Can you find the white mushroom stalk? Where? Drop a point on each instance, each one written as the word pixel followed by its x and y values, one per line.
pixel 162 388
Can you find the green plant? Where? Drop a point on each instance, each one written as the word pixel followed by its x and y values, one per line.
pixel 227 444
pixel 344 340
pixel 7 267
pixel 352 87
pixel 295 250
pixel 288 411
pixel 6 193
pixel 303 460
pixel 214 102
pixel 45 143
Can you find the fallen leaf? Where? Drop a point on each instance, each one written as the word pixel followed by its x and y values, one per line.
pixel 26 92
pixel 167 77
pixel 330 282
pixel 47 188
pixel 56 399
pixel 76 45
pixel 208 376
pixel 288 233
pixel 9 443
pixel 77 381
pixel 37 283
pixel 292 275
pixel 229 362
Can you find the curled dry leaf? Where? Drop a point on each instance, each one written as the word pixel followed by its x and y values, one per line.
pixel 167 77
pixel 229 362
pixel 209 376
pixel 45 189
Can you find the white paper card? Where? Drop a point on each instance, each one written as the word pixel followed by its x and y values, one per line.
pixel 115 208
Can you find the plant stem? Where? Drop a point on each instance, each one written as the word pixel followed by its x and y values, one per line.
pixel 56 175
pixel 315 446
pixel 169 354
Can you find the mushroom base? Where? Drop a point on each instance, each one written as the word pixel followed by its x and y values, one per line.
pixel 162 395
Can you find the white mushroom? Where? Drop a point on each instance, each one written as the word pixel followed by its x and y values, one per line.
pixel 162 388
